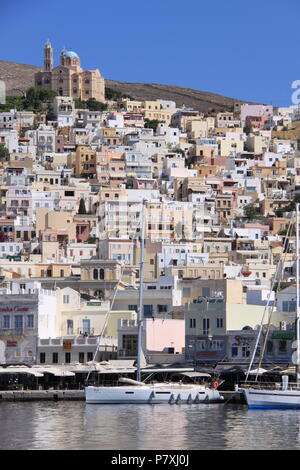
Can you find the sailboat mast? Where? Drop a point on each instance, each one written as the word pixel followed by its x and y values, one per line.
pixel 140 308
pixel 297 296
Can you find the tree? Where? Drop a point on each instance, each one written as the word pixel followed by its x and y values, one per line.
pixel 82 209
pixel 178 150
pixel 250 211
pixel 151 123
pixel 4 153
pixel 115 95
pixel 90 104
pixel 38 98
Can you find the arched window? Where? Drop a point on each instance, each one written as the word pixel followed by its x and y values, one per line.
pixel 101 273
pixel 95 273
pixel 99 294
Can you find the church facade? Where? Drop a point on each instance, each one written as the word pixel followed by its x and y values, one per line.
pixel 68 78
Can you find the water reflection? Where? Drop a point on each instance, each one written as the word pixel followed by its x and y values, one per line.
pixel 75 425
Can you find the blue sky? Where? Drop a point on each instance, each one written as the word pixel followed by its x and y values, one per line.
pixel 242 49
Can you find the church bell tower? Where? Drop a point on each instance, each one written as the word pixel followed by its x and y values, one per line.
pixel 48 57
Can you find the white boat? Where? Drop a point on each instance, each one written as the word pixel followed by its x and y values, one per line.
pixel 138 392
pixel 283 396
pixel 278 395
pixel 154 393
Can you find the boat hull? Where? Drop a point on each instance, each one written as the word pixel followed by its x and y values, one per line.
pixel 272 399
pixel 151 395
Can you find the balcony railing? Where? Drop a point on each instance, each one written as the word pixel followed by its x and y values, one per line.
pixel 85 332
pixel 15 331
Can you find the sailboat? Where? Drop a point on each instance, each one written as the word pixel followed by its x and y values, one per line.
pixel 139 392
pixel 279 395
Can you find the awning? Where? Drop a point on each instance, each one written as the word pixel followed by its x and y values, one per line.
pixel 291 370
pixel 258 371
pixel 169 370
pixel 16 370
pixel 59 373
pixel 195 374
pixel 118 370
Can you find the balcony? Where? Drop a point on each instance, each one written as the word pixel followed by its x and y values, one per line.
pixel 16 331
pixel 85 333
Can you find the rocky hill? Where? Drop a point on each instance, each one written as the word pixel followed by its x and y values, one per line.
pixel 20 77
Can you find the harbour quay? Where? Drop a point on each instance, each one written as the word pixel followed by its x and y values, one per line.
pixel 40 395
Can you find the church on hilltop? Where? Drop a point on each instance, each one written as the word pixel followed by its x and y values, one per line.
pixel 68 78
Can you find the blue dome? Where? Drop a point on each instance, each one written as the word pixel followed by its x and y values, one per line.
pixel 70 54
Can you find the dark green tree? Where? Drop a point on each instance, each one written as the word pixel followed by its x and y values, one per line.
pixel 82 209
pixel 94 105
pixel 4 153
pixel 91 104
pixel 250 211
pixel 38 98
pixel 151 123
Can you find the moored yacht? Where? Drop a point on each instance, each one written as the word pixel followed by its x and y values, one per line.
pixel 138 392
pixel 278 395
pixel 154 393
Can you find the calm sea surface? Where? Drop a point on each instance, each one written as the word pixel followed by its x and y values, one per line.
pixel 75 425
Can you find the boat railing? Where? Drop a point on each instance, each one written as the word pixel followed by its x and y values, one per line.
pixel 270 386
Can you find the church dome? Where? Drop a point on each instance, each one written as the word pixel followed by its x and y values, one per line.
pixel 70 54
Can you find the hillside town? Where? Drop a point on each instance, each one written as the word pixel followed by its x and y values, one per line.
pixel 77 163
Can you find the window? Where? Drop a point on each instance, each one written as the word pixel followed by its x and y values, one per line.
pixel 289 306
pixel 101 273
pixel 206 291
pixel 69 327
pixel 245 351
pixel 42 358
pixel 129 344
pixel 95 274
pixel 192 322
pixel 205 323
pixel 66 299
pixel 219 322
pixel 6 321
pixel 148 311
pixel 162 308
pixel 67 357
pixel 86 326
pixel 90 356
pixel 30 321
pixel 234 351
pixel 282 346
pixel 81 357
pixel 18 321
pixel 132 307
pixel 55 358
pixel 186 292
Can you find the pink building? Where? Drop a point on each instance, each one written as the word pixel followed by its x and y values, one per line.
pixel 19 201
pixel 159 336
pixel 255 110
pixel 110 165
pixel 257 122
pixel 134 120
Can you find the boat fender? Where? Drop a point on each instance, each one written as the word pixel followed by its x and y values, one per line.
pixel 178 400
pixel 216 384
pixel 171 400
pixel 152 395
pixel 197 400
pixel 190 400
